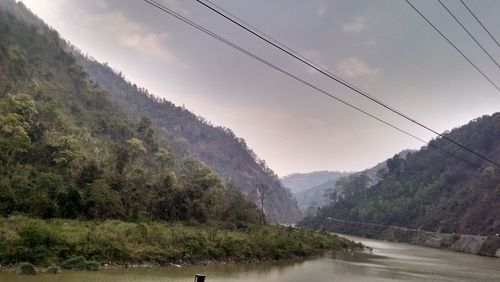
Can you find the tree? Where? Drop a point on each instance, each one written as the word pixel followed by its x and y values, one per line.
pixel 13 136
pixel 396 165
pixel 70 203
pixel 102 202
pixel 21 104
pixel 16 114
pixel 7 199
pixel 262 191
pixel 161 203
pixel 353 186
pixel 136 148
pixel 122 159
pixel 68 151
pixel 146 133
pixel 164 158
pixel 89 174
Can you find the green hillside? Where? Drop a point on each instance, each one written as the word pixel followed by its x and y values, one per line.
pixel 82 176
pixel 428 189
pixel 68 151
pixel 218 147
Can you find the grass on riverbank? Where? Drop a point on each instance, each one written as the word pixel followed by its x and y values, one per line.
pixel 46 242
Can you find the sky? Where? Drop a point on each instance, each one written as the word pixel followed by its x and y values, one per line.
pixel 382 47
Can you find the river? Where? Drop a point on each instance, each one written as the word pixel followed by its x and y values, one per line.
pixel 387 262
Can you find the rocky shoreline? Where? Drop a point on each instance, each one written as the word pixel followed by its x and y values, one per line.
pixel 471 244
pixel 179 264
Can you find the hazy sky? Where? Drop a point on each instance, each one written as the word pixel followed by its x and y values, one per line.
pixel 380 46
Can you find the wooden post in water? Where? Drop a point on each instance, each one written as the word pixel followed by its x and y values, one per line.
pixel 199 278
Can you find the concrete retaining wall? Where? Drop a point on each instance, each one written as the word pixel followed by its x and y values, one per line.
pixel 472 244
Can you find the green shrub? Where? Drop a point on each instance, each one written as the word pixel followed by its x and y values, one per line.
pixel 233 247
pixel 74 263
pixel 92 265
pixel 46 242
pixel 80 263
pixel 26 268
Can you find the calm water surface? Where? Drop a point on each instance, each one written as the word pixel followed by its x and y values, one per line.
pixel 387 262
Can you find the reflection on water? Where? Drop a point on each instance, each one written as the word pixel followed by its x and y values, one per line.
pixel 387 262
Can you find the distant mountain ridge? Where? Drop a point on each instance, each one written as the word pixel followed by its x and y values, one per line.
pixel 308 188
pixel 300 182
pixel 319 196
pixel 312 189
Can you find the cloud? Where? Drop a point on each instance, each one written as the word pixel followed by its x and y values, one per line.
pixel 353 67
pixel 356 25
pixel 117 27
pixel 321 9
pixel 149 44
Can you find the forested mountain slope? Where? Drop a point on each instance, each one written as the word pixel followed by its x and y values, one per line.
pixel 82 181
pixel 218 147
pixel 429 189
pixel 67 150
pixel 185 133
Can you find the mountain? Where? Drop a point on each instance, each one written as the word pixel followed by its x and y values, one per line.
pixel 319 196
pixel 218 147
pixel 428 189
pixel 315 197
pixel 300 182
pixel 310 188
pixel 68 150
pixel 183 133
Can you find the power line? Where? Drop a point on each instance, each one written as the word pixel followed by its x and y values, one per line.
pixel 295 55
pixel 469 33
pixel 453 45
pixel 482 25
pixel 254 56
pixel 309 62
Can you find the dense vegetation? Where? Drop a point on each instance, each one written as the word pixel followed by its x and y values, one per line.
pixel 428 189
pixel 218 147
pixel 67 151
pixel 83 179
pixel 58 241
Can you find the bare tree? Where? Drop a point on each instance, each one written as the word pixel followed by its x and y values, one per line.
pixel 262 191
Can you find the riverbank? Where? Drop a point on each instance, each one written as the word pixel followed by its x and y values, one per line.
pixel 471 244
pixel 388 261
pixel 114 242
